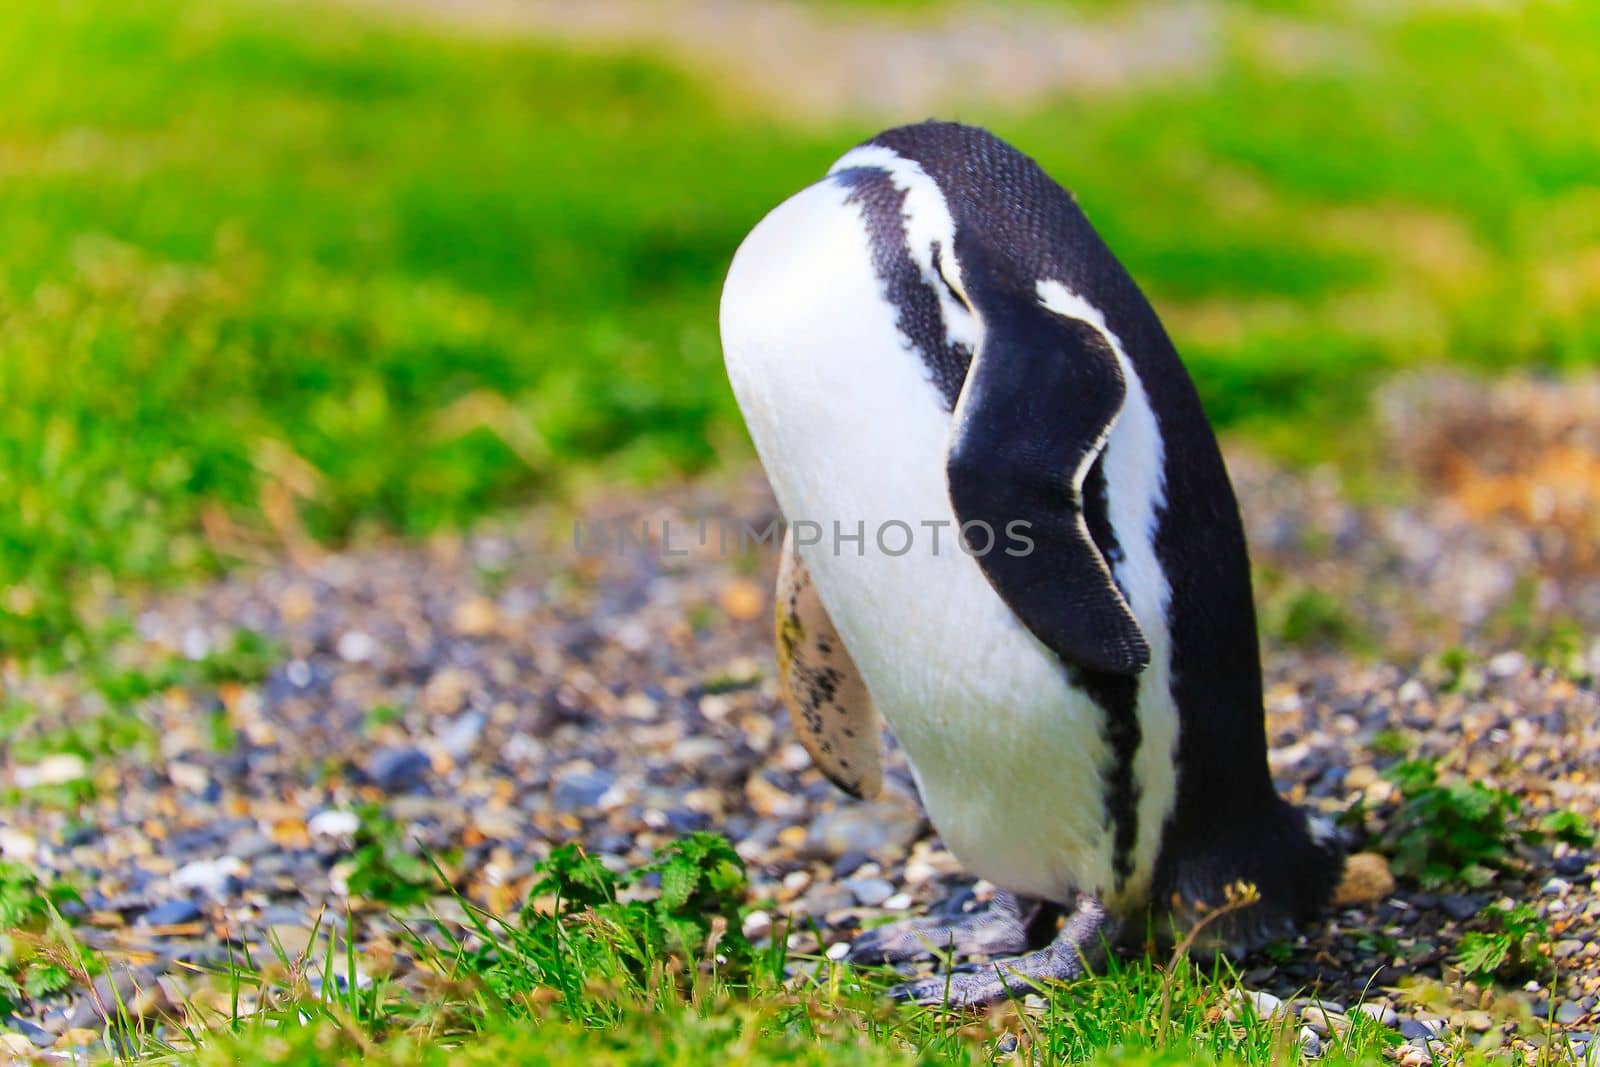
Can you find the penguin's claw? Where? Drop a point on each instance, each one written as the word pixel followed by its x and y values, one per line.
pixel 1000 929
pixel 1081 941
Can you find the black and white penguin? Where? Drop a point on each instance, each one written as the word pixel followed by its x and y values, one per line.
pixel 932 339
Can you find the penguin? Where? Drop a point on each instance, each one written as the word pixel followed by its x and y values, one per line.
pixel 1012 538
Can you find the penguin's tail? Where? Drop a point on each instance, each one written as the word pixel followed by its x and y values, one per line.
pixel 1241 883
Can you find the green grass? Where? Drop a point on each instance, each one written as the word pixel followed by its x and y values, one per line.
pixel 590 973
pixel 277 274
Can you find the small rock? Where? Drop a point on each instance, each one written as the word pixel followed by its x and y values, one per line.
pixel 870 892
pixel 293 938
pixel 743 599
pixel 1324 1020
pixel 1310 1043
pixel 1572 864
pixel 16 1045
pixel 216 877
pixel 189 776
pixel 59 769
pixel 1569 1012
pixel 1566 948
pixel 1384 1013
pixel 462 735
pixel 884 829
pixel 582 789
pixel 475 617
pixel 1478 1021
pixel 399 770
pixel 838 950
pixel 1366 881
pixel 1360 777
pixel 17 844
pixel 1259 1002
pixel 32 1034
pixel 333 823
pixel 1460 907
pixel 356 646
pixel 1507 664
pixel 171 913
pixel 1412 1056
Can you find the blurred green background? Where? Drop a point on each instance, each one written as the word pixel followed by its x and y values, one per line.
pixel 271 271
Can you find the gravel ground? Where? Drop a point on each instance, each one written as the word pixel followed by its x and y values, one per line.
pixel 500 693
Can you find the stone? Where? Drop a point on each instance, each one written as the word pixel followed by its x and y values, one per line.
pixel 333 823
pixel 1310 1043
pixel 217 877
pixel 399 770
pixel 884 829
pixel 1383 1013
pixel 60 769
pixel 171 913
pixel 583 789
pixel 1366 881
pixel 1460 907
pixel 870 892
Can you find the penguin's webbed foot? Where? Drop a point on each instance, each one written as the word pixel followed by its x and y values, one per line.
pixel 1080 943
pixel 999 929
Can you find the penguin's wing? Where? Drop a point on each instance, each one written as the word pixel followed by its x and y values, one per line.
pixel 1039 401
pixel 827 700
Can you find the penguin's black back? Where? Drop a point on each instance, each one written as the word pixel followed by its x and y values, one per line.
pixel 1228 822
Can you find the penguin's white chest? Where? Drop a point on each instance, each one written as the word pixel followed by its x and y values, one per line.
pixel 1009 757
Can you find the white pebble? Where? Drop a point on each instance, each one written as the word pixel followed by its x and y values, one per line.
pixel 17 845
pixel 838 950
pixel 333 823
pixel 898 902
pixel 214 876
pixel 59 769
pixel 356 646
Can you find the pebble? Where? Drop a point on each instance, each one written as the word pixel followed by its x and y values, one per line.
pixel 17 845
pixel 59 769
pixel 398 770
pixel 1383 1013
pixel 1323 1020
pixel 356 646
pixel 1310 1043
pixel 1262 1004
pixel 583 789
pixel 333 823
pixel 217 877
pixel 870 892
pixel 884 829
pixel 1459 907
pixel 171 913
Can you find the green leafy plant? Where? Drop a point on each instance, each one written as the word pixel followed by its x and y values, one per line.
pixel 695 914
pixel 1571 827
pixel 382 868
pixel 1516 948
pixel 1442 832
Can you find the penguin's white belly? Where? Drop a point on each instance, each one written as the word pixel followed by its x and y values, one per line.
pixel 1008 756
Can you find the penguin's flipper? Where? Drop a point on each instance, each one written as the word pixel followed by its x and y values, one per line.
pixel 828 702
pixel 1038 405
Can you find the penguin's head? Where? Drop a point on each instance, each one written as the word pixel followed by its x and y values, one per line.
pixel 964 228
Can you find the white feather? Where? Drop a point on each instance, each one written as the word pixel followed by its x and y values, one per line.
pixel 850 428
